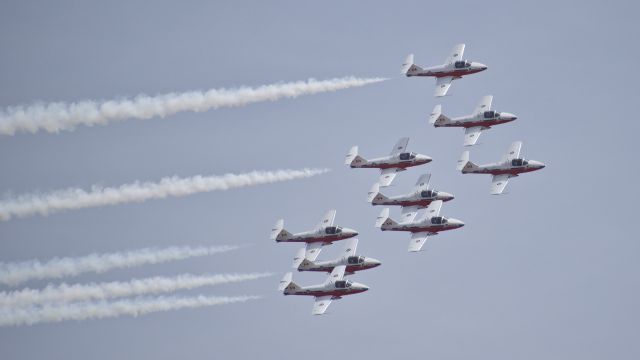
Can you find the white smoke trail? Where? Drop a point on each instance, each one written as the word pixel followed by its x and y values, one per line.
pixel 74 198
pixel 115 289
pixel 58 116
pixel 18 272
pixel 105 309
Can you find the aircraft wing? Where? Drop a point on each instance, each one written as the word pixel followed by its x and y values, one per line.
pixel 418 240
pixel 400 146
pixel 513 152
pixel 471 135
pixel 442 85
pixel 456 54
pixel 321 304
pixel 433 209
pixel 336 274
pixel 409 214
pixel 387 175
pixel 327 220
pixel 312 250
pixel 483 105
pixel 498 183
pixel 350 247
pixel 423 182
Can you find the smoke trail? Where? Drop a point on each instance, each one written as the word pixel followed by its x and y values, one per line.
pixel 104 291
pixel 15 273
pixel 54 117
pixel 74 198
pixel 104 309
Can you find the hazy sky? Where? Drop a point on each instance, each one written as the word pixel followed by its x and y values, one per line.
pixel 547 271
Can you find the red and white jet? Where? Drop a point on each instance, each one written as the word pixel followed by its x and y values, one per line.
pixel 422 196
pixel 482 118
pixel 453 68
pixel 349 258
pixel 335 287
pixel 398 160
pixel 510 166
pixel 325 233
pixel 430 224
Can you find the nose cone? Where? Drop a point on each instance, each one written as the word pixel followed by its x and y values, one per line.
pixel 373 262
pixel 456 222
pixel 350 232
pixel 507 116
pixel 537 164
pixel 445 196
pixel 361 287
pixel 424 159
pixel 480 66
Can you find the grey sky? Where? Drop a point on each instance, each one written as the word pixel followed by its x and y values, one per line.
pixel 547 271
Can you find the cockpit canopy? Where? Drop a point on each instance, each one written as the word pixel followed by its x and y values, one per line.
pixel 407 156
pixel 491 114
pixel 438 220
pixel 343 284
pixel 332 230
pixel 519 162
pixel 428 194
pixel 462 64
pixel 353 260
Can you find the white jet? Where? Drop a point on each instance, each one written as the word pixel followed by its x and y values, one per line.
pixel 335 287
pixel 453 68
pixel 510 166
pixel 325 233
pixel 429 225
pixel 349 258
pixel 482 118
pixel 422 196
pixel 398 160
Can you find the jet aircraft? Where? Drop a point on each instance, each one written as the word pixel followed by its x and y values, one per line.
pixel 483 118
pixel 334 288
pixel 325 233
pixel 430 224
pixel 349 258
pixel 453 68
pixel 510 166
pixel 422 196
pixel 398 160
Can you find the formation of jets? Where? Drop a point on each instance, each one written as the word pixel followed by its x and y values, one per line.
pixel 419 209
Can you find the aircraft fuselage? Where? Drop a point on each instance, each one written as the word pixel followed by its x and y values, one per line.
pixel 500 169
pixel 426 226
pixel 394 162
pixel 330 290
pixel 412 200
pixel 328 266
pixel 467 122
pixel 448 70
pixel 315 236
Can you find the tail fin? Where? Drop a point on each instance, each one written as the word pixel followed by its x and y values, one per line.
pixel 464 164
pixel 278 233
pixel 384 219
pixel 299 258
pixel 375 197
pixel 408 67
pixel 437 118
pixel 287 285
pixel 353 159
